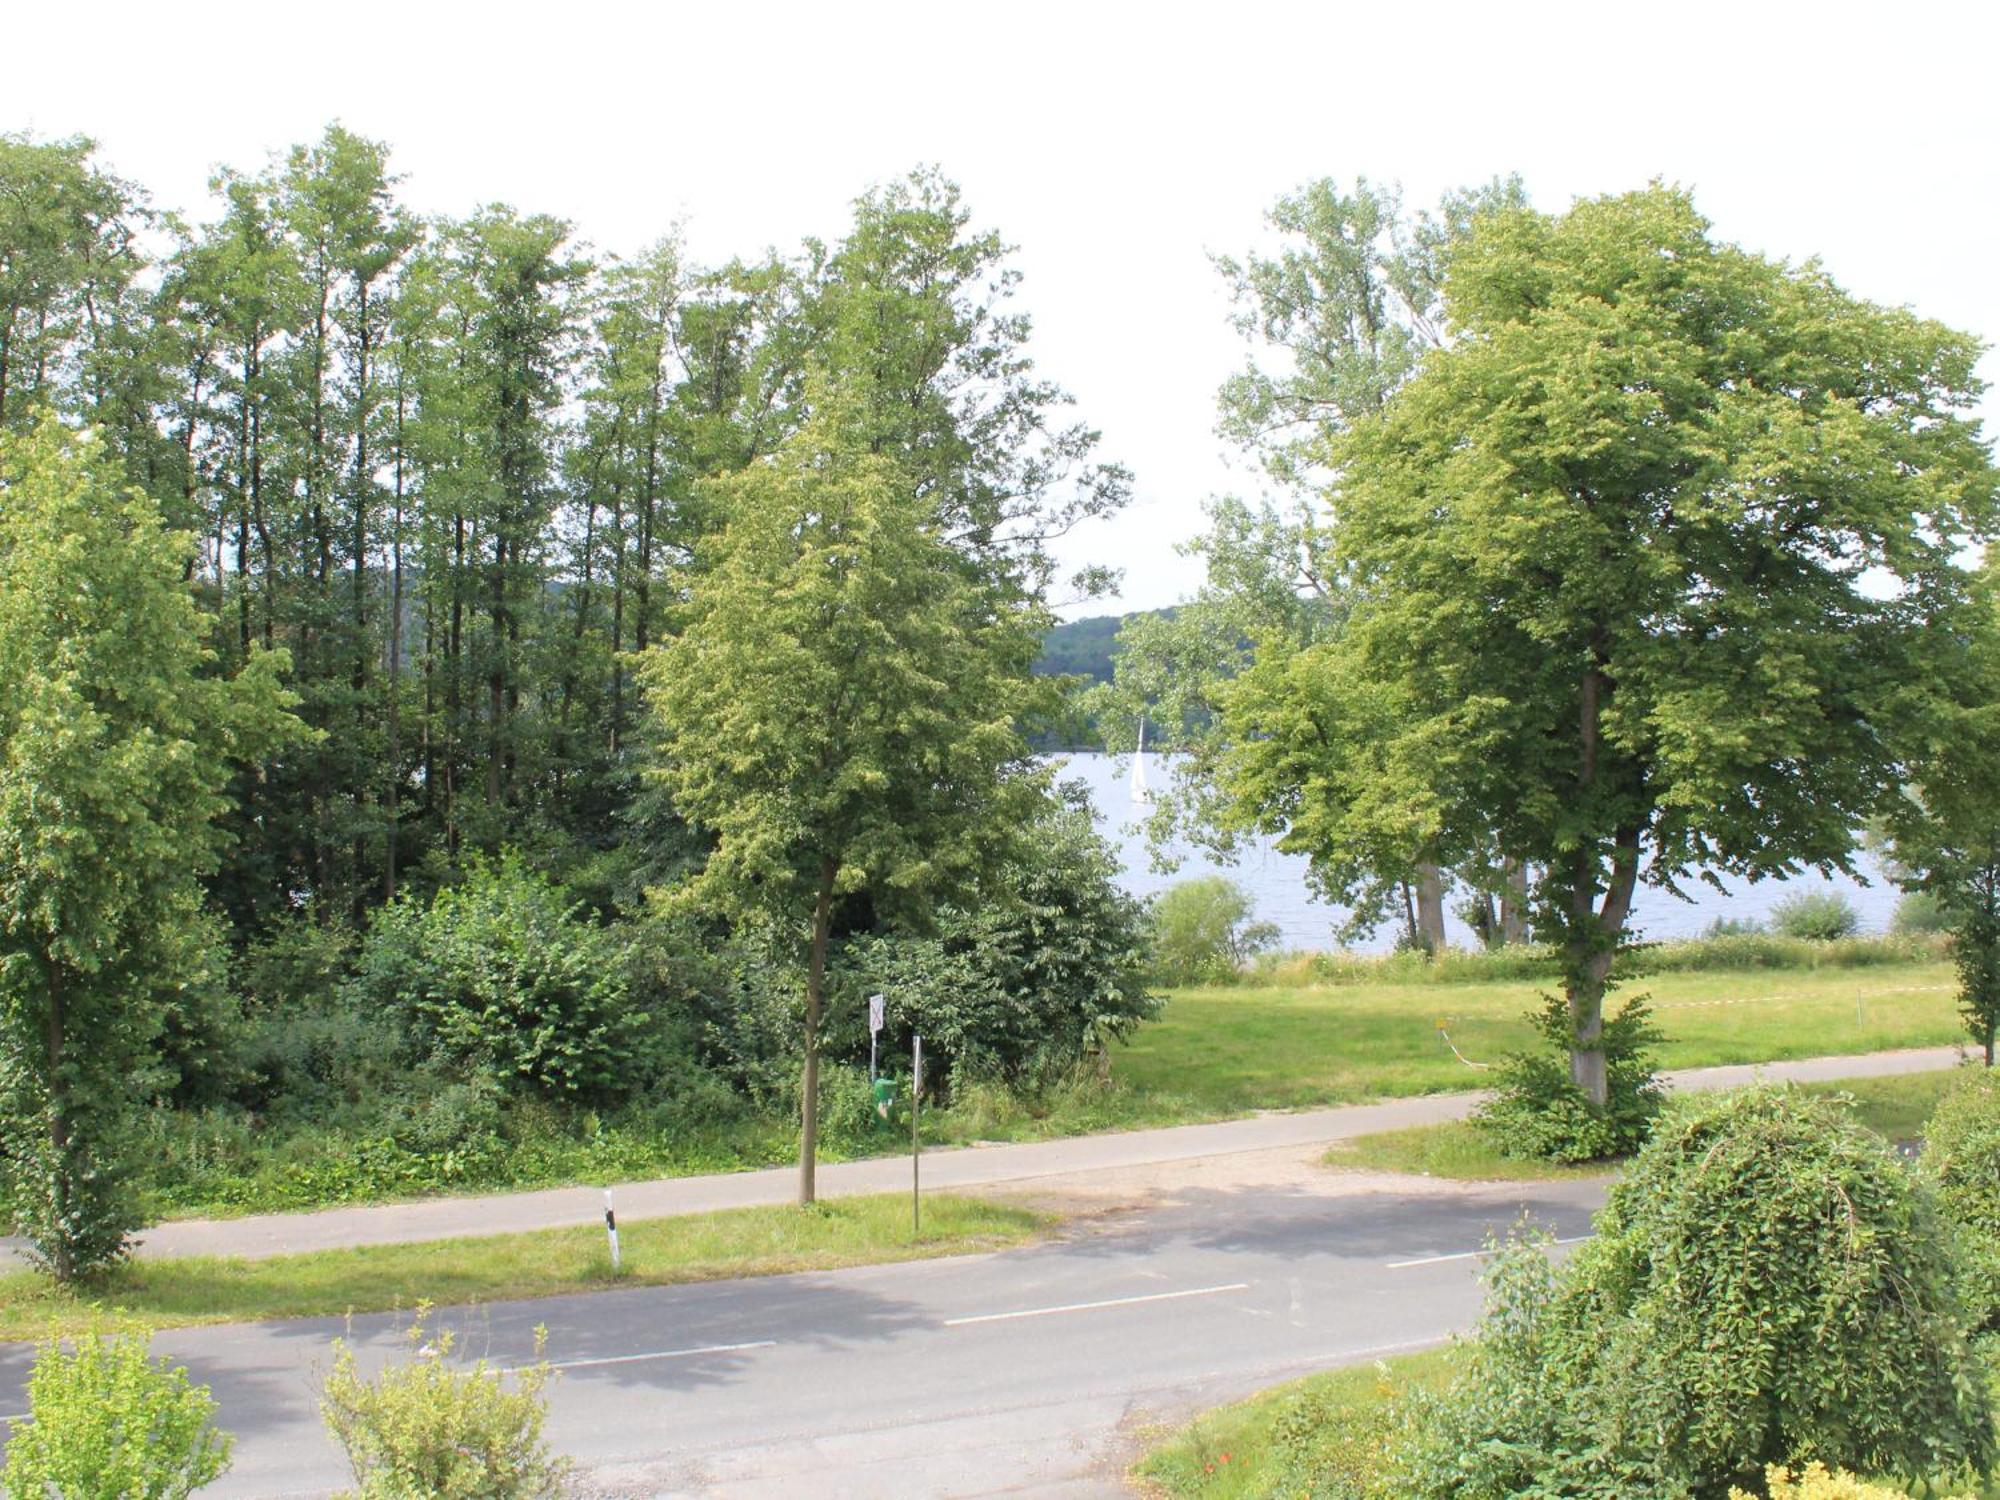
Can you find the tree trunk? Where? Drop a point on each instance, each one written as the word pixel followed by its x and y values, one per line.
pixel 1430 907
pixel 1594 934
pixel 60 1261
pixel 1514 905
pixel 815 996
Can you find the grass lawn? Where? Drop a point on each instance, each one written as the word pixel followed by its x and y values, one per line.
pixel 1228 1051
pixel 655 1252
pixel 1227 1454
pixel 1895 1107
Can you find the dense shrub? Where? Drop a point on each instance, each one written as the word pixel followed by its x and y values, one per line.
pixel 1768 1285
pixel 431 1428
pixel 1332 1448
pixel 502 972
pixel 1042 973
pixel 1202 932
pixel 1816 1482
pixel 1536 1111
pixel 1917 912
pixel 1961 1156
pixel 1816 916
pixel 105 1419
pixel 1732 927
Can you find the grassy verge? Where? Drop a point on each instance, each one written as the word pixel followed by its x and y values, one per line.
pixel 1229 1453
pixel 655 1252
pixel 1229 1051
pixel 1894 1107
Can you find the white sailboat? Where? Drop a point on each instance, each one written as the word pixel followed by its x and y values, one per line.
pixel 1142 794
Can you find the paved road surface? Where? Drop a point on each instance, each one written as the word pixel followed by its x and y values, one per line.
pixel 1026 1372
pixel 446 1218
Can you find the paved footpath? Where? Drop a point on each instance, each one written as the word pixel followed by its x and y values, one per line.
pixel 962 1167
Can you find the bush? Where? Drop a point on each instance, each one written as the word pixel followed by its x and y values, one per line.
pixel 107 1420
pixel 1816 916
pixel 1768 1284
pixel 1817 1482
pixel 1917 912
pixel 1023 985
pixel 1537 1113
pixel 1732 927
pixel 1202 932
pixel 502 973
pixel 431 1429
pixel 1327 1445
pixel 1961 1156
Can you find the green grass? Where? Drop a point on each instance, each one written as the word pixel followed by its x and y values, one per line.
pixel 1895 1107
pixel 1227 1454
pixel 1456 1150
pixel 655 1252
pixel 1229 1051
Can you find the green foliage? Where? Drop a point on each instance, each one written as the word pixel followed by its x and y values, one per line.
pixel 1330 1446
pixel 1732 927
pixel 1767 1285
pixel 1202 932
pixel 1538 1113
pixel 1042 968
pixel 840 711
pixel 431 1428
pixel 106 1420
pixel 1816 1482
pixel 1615 607
pixel 117 739
pixel 1816 916
pixel 1961 1156
pixel 502 972
pixel 1917 913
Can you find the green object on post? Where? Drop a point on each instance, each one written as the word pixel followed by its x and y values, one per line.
pixel 885 1094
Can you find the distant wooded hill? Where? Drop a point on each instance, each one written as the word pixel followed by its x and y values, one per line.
pixel 1084 648
pixel 1081 648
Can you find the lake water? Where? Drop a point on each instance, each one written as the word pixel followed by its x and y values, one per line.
pixel 1277 882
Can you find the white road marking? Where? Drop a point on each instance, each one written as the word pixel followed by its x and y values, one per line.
pixel 1438 1260
pixel 633 1359
pixel 1070 1307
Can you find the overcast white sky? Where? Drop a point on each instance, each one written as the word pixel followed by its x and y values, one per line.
pixel 1116 146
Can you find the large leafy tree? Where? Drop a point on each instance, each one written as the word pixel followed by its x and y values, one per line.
pixel 1643 569
pixel 1942 833
pixel 1337 316
pixel 116 742
pixel 837 707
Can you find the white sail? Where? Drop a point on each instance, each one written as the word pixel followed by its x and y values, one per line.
pixel 1142 795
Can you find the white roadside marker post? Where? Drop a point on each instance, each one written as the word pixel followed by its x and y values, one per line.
pixel 916 1151
pixel 611 1230
pixel 875 1018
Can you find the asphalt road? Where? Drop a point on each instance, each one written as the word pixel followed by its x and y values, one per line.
pixel 1028 1372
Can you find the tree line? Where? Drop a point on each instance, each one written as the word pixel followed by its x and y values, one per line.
pixel 447 557
pixel 448 464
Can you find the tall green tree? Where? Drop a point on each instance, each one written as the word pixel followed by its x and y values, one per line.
pixel 116 743
pixel 1641 568
pixel 1337 316
pixel 838 708
pixel 1942 833
pixel 68 255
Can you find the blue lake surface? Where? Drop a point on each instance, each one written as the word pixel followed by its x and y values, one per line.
pixel 1277 882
